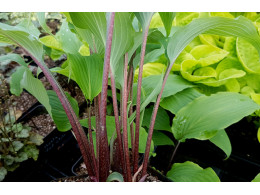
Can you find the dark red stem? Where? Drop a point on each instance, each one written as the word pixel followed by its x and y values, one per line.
pixel 91 141
pixel 103 142
pixel 151 127
pixel 138 101
pixel 124 116
pixel 118 129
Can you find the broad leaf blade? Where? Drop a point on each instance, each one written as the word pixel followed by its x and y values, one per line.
pixel 87 72
pixel 144 18
pixel 191 172
pixel 204 116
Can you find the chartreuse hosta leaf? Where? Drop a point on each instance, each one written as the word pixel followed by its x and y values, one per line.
pixel 51 42
pixel 228 69
pixel 191 172
pixel 183 18
pixel 111 126
pixel 222 141
pixel 239 27
pixel 205 116
pixel 208 54
pixel 150 69
pixel 221 14
pixel 257 178
pixel 87 71
pixel 248 56
pixel 193 71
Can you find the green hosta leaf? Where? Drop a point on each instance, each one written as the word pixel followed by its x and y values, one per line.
pixel 115 176
pixel 191 172
pixel 13 57
pixel 175 102
pixel 222 141
pixel 154 55
pixel 150 69
pixel 192 71
pixel 208 54
pixel 257 178
pixel 41 19
pixel 22 36
pixel 173 85
pixel 3 173
pixel 144 18
pixel 87 71
pixel 123 38
pixel 248 56
pixel 57 111
pixel 167 18
pixel 36 88
pixel 183 18
pixel 68 40
pixel 239 27
pixel 204 116
pixel 162 121
pixel 8 160
pixel 95 22
pixel 65 71
pixel 15 82
pixel 52 42
pixel 160 139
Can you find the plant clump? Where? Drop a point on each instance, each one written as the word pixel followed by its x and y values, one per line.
pixel 17 142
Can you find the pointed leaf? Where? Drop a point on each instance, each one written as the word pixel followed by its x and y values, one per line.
pixel 257 178
pixel 144 18
pixel 167 18
pixel 204 116
pixel 222 141
pixel 87 71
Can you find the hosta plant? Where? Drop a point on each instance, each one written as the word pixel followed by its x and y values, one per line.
pixel 147 62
